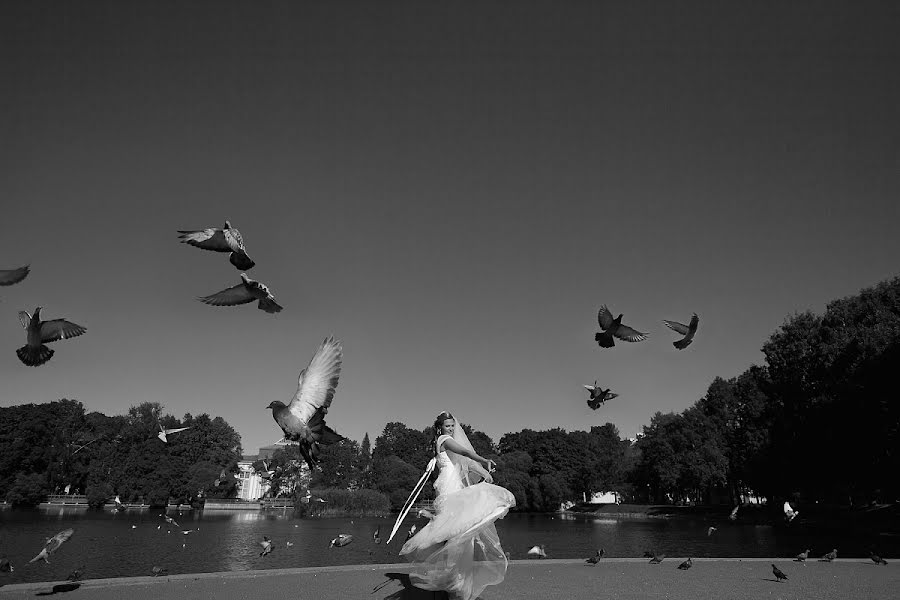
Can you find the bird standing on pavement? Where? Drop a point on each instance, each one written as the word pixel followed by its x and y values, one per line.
pixel 657 558
pixel 802 556
pixel 247 291
pixel 687 331
pixel 34 352
pixel 76 574
pixel 830 556
pixel 686 565
pixel 877 559
pixel 779 574
pixel 596 558
pixel 227 239
pixel 303 419
pixel 614 328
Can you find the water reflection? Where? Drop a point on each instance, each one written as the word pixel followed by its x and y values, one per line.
pixel 130 543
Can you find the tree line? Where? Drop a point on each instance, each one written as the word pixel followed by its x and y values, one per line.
pixel 817 422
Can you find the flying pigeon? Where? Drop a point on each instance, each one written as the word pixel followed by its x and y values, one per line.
pixel 376 537
pixel 303 420
pixel 412 531
pixel 5 565
pixel 657 558
pixel 779 574
pixel 163 432
pixel 52 545
pixel 830 556
pixel 171 521
pixel 13 276
pixel 266 545
pixel 596 558
pixel 76 574
pixel 733 515
pixel 614 328
pixel 341 540
pixel 289 544
pixel 687 331
pixel 789 513
pixel 245 292
pixel 710 531
pixel 877 559
pixel 537 551
pixel 802 556
pixel 598 395
pixel 34 352
pixel 686 565
pixel 227 239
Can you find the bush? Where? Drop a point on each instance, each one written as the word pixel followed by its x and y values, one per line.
pixel 28 489
pixel 361 502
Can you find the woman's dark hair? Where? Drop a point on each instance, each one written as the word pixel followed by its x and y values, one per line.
pixel 438 423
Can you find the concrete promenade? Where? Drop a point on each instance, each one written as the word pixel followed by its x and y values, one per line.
pixel 612 579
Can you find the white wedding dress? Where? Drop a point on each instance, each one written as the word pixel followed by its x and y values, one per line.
pixel 459 551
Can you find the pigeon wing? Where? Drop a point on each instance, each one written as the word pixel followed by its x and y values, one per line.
pixel 57 540
pixel 624 332
pixel 676 326
pixel 207 239
pixel 604 317
pixel 171 431
pixel 24 318
pixel 12 276
pixel 59 329
pixel 238 294
pixel 315 386
pixel 233 239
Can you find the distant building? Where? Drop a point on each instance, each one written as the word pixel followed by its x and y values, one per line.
pixel 251 486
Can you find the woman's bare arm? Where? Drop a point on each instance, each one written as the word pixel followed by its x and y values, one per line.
pixel 453 446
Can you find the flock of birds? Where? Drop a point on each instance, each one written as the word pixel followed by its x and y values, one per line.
pixel 614 328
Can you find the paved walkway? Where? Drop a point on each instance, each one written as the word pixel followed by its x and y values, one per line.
pixel 612 579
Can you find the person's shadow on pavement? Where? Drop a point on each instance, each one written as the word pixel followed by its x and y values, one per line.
pixel 408 591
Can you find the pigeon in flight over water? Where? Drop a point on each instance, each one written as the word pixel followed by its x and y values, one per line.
pixel 266 545
pixel 733 515
pixel 303 419
pixel 598 395
pixel 341 540
pixel 614 328
pixel 34 352
pixel 52 545
pixel 247 291
pixel 227 239
pixel 711 531
pixel 13 276
pixel 687 331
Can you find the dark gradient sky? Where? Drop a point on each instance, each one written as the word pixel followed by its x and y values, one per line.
pixel 451 188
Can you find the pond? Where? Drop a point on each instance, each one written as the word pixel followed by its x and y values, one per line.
pixel 110 544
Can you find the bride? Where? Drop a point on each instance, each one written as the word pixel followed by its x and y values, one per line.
pixel 459 551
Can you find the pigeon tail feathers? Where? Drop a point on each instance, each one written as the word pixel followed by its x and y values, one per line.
pixel 604 339
pixel 34 356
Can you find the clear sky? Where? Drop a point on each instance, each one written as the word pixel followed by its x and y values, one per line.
pixel 453 189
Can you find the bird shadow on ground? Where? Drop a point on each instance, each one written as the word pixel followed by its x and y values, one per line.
pixel 770 580
pixel 60 588
pixel 408 591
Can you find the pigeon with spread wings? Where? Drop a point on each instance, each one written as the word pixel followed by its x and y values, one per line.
pixel 614 328
pixel 34 352
pixel 13 276
pixel 303 419
pixel 52 545
pixel 687 331
pixel 247 291
pixel 164 433
pixel 227 239
pixel 598 395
